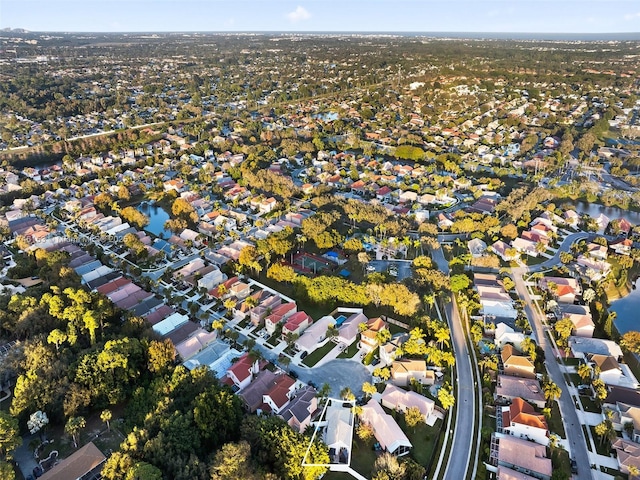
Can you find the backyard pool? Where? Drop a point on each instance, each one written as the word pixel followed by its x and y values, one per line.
pixel 340 320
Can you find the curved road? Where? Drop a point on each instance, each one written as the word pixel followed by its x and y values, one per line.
pixel 460 459
pixel 575 434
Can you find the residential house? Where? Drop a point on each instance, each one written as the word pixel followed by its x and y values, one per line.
pixel 571 218
pixel 211 280
pixel 296 324
pixel 515 364
pixel 564 290
pixel 195 342
pixel 477 247
pixel 594 270
pixel 387 432
pixel 504 335
pixel 525 246
pixel 444 222
pixel 622 246
pixel 581 347
pixel 348 331
pixel 279 394
pixel 387 352
pixel 368 338
pixel 266 307
pixel 299 411
pixel 85 462
pixel 242 372
pixel 612 372
pixel 519 455
pixel 404 370
pixel 597 251
pixel 252 394
pixel 628 455
pixel 315 334
pixel 624 413
pixel 521 420
pixel 504 251
pixel 278 315
pixel 509 388
pixel 338 433
pixel 400 400
pixel 580 316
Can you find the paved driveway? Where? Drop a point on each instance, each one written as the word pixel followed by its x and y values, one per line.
pixel 338 373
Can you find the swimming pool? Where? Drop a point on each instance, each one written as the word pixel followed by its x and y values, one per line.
pixel 340 320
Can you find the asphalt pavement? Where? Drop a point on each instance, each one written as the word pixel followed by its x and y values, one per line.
pixel 460 459
pixel 575 434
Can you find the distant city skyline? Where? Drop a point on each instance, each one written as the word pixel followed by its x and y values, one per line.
pixel 495 16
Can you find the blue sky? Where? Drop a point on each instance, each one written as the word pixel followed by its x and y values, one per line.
pixel 545 16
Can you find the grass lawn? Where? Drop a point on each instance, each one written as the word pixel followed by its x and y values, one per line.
pixel 561 463
pixel 109 441
pixel 363 456
pixel 396 329
pixel 589 404
pixel 586 435
pixel 575 379
pixel 572 362
pixel 243 323
pixel 555 422
pixel 350 351
pixel 274 339
pixel 534 260
pixel 601 447
pixel 318 354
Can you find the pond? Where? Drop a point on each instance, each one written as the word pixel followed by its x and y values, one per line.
pixel 595 209
pixel 627 310
pixel 157 218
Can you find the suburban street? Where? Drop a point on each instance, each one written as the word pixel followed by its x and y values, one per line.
pixel 575 434
pixel 460 460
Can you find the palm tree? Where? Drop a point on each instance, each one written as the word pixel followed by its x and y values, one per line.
pixel 73 427
pixel 347 394
pixel 369 389
pixel 105 416
pixel 551 391
pixel 585 372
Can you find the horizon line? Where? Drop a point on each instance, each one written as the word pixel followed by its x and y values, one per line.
pixel 318 32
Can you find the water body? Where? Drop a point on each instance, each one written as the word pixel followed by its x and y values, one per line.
pixel 627 310
pixel 595 209
pixel 157 218
pixel 628 307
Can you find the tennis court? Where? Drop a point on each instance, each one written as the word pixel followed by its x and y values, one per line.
pixel 309 263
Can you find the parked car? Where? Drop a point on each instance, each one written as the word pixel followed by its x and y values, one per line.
pixel 574 466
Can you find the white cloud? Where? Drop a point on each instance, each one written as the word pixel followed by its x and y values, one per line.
pixel 298 15
pixel 632 16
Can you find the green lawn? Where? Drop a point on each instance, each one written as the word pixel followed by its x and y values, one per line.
pixel 575 379
pixel 318 354
pixel 561 463
pixel 572 362
pixel 350 351
pixel 555 422
pixel 363 456
pixel 396 329
pixel 274 339
pixel 589 404
pixel 243 323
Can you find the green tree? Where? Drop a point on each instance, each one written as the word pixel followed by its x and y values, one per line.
pixel 73 427
pixel 233 462
pixel 412 417
pixel 369 389
pixel 57 337
pixel 563 329
pixel 9 435
pixel 552 392
pixel 631 341
pixel 585 372
pixel 445 396
pixel 459 282
pixel 106 416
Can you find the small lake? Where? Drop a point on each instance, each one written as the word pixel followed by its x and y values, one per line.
pixel 157 218
pixel 627 310
pixel 595 209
